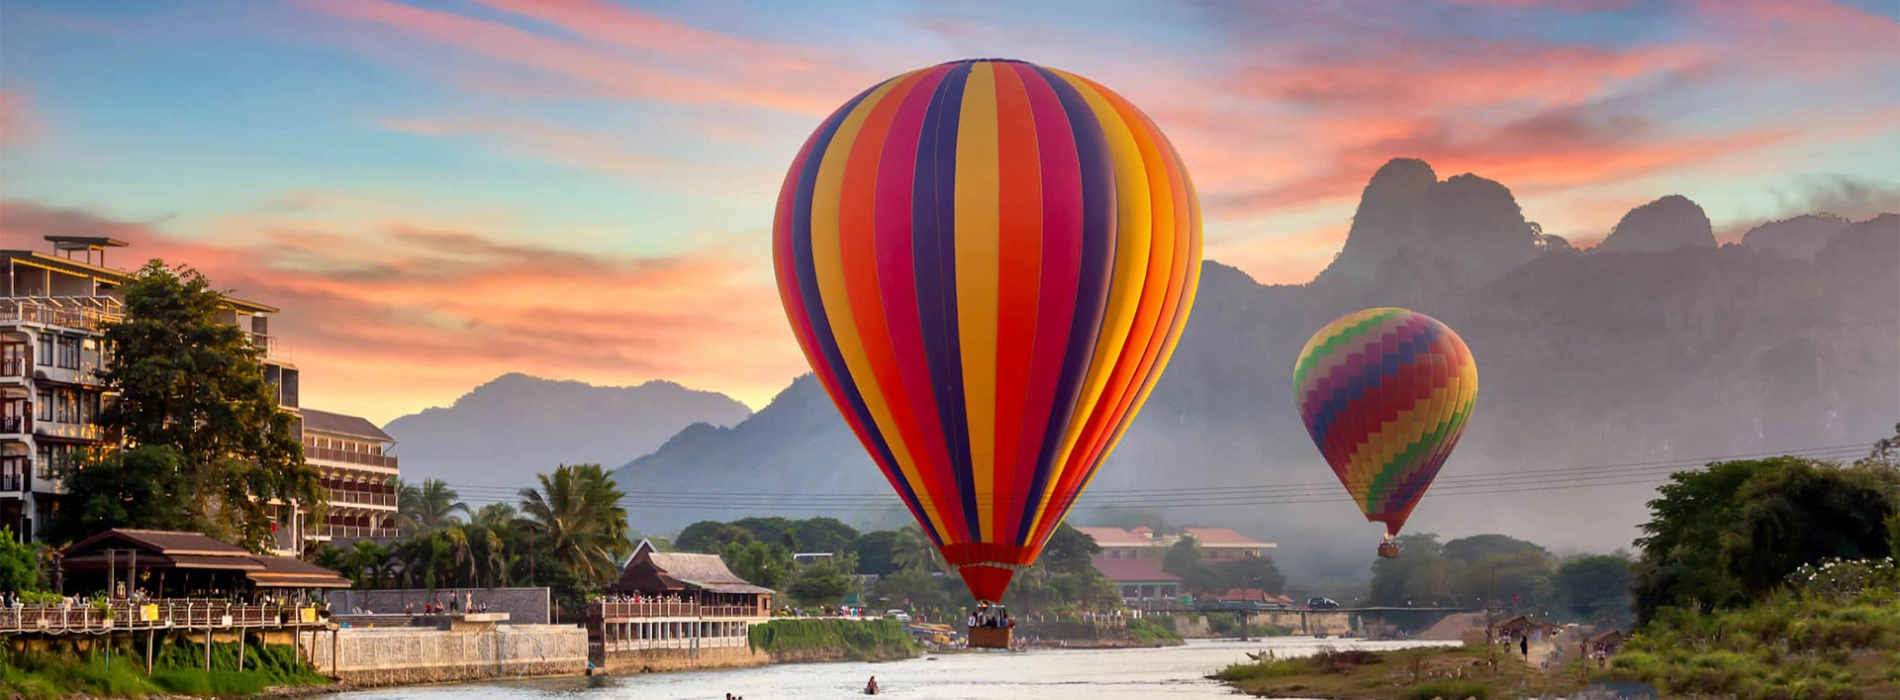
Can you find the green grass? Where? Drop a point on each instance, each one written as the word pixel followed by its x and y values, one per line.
pixel 1448 689
pixel 1453 673
pixel 178 668
pixel 1780 649
pixel 854 640
pixel 1146 632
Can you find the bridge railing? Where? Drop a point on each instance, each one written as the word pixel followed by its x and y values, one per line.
pixel 183 613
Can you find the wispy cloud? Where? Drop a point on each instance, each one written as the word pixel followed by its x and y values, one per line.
pixel 619 54
pixel 386 314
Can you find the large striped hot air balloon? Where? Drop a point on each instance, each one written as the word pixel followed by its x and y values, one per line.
pixel 1385 393
pixel 987 263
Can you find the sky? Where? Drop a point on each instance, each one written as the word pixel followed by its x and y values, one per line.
pixel 437 192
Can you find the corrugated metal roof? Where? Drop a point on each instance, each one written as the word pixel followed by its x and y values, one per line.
pixel 339 424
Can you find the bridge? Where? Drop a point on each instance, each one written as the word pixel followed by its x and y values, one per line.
pixel 1302 619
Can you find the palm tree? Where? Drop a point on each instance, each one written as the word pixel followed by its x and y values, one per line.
pixel 371 562
pixel 914 550
pixel 496 515
pixel 429 507
pixel 576 518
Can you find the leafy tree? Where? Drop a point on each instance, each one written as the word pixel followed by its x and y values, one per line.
pixel 823 535
pixel 1252 572
pixel 187 380
pixel 149 486
pixel 1070 550
pixel 19 563
pixel 1476 547
pixel 1185 559
pixel 819 584
pixel 914 550
pixel 874 552
pixel 913 588
pixel 1731 533
pixel 712 536
pixel 1422 574
pixel 370 562
pixel 758 562
pixel 1592 587
pixel 576 517
pixel 429 507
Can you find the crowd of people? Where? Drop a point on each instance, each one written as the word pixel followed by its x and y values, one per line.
pixel 992 617
pixel 461 602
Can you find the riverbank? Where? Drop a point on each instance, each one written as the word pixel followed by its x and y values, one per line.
pixel 178 670
pixel 820 640
pixel 1407 674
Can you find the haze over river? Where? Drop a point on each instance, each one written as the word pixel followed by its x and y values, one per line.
pixel 1094 674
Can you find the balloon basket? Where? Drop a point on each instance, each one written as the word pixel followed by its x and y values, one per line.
pixel 989 638
pixel 1388 550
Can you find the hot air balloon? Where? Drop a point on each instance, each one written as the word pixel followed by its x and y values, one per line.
pixel 987 263
pixel 1385 393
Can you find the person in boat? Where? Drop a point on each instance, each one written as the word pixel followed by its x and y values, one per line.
pixel 871 687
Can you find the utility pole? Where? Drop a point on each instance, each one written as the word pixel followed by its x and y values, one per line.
pixel 1491 645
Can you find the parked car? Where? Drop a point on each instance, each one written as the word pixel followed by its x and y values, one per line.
pixel 1322 604
pixel 898 615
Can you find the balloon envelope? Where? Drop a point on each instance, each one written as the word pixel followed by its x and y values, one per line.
pixel 987 264
pixel 1385 393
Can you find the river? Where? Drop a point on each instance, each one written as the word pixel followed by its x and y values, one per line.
pixel 1044 674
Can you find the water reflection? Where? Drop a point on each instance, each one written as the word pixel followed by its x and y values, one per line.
pixel 1109 674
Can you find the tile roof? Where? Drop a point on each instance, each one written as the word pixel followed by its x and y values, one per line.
pixel 1114 537
pixel 1133 571
pixel 1222 537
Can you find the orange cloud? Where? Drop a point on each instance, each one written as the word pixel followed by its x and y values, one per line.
pixel 1288 259
pixel 385 317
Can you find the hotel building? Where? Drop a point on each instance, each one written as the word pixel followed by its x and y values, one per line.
pixel 51 353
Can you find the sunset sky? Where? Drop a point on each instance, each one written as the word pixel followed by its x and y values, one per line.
pixel 440 191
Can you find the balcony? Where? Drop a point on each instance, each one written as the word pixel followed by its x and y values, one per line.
pixel 70 431
pixel 352 532
pixel 80 313
pixel 14 425
pixel 15 483
pixel 13 367
pixel 270 348
pixel 344 497
pixel 334 455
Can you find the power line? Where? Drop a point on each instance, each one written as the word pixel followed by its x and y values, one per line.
pixel 1502 482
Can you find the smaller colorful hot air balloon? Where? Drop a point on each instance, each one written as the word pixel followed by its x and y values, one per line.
pixel 1385 393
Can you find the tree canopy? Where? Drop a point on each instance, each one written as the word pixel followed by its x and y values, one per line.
pixel 1725 535
pixel 209 440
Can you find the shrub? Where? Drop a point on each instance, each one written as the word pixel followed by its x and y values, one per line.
pixel 1447 689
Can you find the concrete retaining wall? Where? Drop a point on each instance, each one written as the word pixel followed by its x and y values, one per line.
pixel 525 606
pixel 728 655
pixel 393 656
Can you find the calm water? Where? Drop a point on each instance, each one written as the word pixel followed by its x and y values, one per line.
pixel 1109 674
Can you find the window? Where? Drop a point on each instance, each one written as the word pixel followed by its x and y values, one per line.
pixel 46 405
pixel 69 353
pixel 46 350
pixel 66 408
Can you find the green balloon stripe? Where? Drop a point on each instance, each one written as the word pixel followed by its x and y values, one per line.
pixel 1382 478
pixel 1311 359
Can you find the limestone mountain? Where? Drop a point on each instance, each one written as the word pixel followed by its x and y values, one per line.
pixel 501 433
pixel 1798 238
pixel 1668 354
pixel 1661 226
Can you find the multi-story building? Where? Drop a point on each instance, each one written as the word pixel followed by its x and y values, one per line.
pixel 352 455
pixel 50 358
pixel 1218 544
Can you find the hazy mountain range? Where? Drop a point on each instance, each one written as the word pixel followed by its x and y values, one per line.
pixel 1598 369
pixel 502 432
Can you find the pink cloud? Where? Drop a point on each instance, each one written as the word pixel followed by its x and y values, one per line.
pixel 17 121
pixel 385 316
pixel 627 67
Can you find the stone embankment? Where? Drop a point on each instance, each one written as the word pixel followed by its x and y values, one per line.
pixel 463 652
